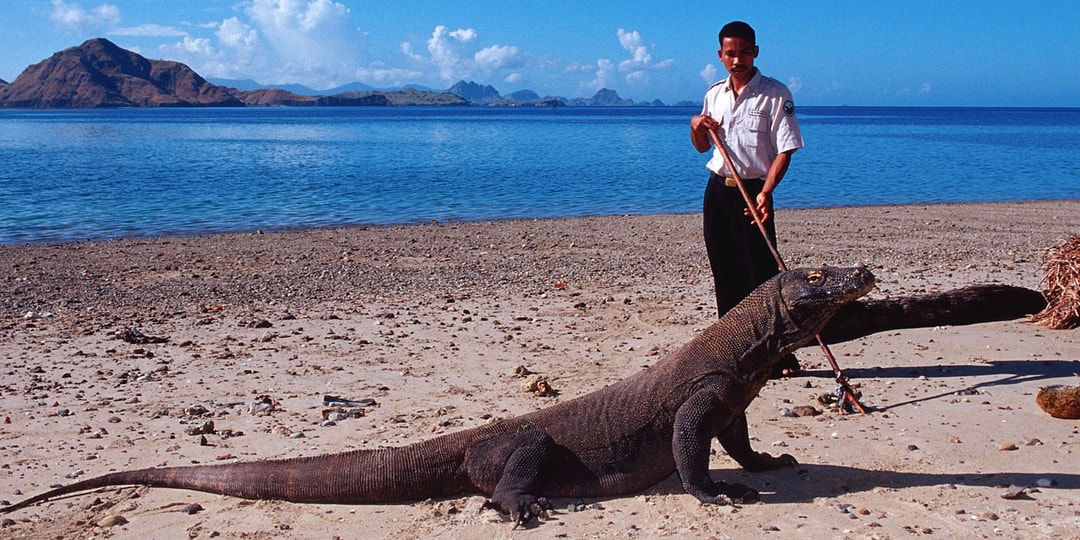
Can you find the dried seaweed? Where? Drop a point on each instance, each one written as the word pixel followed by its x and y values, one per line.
pixel 1061 287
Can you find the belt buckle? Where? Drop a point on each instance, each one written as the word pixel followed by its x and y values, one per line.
pixel 730 182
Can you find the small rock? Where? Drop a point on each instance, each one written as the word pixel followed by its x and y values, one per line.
pixel 1006 447
pixel 191 509
pixel 263 405
pixel 205 428
pixel 1046 482
pixel 112 521
pixel 1014 492
pixel 786 412
pixel 805 410
pixel 539 386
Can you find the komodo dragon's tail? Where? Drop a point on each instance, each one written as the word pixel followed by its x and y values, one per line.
pixel 968 305
pixel 413 472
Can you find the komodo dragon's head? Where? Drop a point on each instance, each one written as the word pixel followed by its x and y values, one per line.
pixel 812 295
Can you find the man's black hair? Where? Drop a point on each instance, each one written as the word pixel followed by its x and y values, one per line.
pixel 738 29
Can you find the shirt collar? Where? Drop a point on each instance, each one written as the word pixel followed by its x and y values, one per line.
pixel 752 85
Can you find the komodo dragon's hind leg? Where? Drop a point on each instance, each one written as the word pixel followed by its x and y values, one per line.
pixel 509 466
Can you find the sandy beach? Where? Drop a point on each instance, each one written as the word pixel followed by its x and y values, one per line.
pixel 433 323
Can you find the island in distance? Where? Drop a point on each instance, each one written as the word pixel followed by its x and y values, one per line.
pixel 100 74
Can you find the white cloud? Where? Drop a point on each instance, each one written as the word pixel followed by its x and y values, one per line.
pixel 708 73
pixel 640 56
pixel 235 33
pixel 149 30
pixel 925 88
pixel 387 76
pixel 311 40
pixel 636 68
pixel 604 70
pixel 198 45
pixel 464 35
pixel 75 18
pixel 450 53
pixel 794 84
pixel 496 57
pixel 444 47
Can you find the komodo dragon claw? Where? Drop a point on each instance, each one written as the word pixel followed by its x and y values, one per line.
pixel 537 509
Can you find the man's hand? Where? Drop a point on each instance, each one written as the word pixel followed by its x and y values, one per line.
pixel 764 206
pixel 700 126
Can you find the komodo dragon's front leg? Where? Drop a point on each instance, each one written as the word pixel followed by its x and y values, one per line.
pixel 697 421
pixel 736 441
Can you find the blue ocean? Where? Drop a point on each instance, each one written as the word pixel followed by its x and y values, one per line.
pixel 85 175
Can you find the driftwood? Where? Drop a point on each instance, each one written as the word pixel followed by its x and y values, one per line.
pixel 969 305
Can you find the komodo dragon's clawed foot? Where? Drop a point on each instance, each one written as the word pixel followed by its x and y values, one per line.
pixel 740 494
pixel 766 462
pixel 723 494
pixel 522 508
pixel 537 509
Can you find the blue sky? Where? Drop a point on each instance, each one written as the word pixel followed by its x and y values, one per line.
pixel 913 53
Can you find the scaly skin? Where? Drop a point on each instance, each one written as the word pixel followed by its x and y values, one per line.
pixel 617 440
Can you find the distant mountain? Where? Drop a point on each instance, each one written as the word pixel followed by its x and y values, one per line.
pixel 407 96
pixel 274 97
pixel 607 97
pixel 251 85
pixel 475 92
pixel 522 95
pixel 351 87
pixel 3 82
pixel 99 74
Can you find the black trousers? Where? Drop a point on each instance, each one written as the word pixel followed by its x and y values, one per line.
pixel 739 257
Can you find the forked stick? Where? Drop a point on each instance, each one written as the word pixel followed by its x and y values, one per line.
pixel 848 394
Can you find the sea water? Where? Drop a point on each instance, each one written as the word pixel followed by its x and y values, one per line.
pixel 94 174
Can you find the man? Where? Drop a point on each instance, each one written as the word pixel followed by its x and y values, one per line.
pixel 754 116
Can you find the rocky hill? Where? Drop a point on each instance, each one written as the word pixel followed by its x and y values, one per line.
pixel 100 74
pixel 474 92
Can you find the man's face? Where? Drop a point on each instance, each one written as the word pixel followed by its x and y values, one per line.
pixel 738 56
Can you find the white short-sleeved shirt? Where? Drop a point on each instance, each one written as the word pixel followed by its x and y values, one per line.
pixel 756 127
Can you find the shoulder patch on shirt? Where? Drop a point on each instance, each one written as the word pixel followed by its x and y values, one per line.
pixel 789 108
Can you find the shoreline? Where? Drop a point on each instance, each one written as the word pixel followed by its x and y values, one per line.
pixel 432 321
pixel 347 226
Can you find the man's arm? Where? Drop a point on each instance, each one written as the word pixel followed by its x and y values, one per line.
pixel 700 125
pixel 777 171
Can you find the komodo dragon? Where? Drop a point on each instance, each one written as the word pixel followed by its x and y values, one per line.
pixel 617 440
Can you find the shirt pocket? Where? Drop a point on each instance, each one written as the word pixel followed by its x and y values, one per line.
pixel 754 132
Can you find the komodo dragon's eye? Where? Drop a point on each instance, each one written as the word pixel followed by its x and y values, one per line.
pixel 815 277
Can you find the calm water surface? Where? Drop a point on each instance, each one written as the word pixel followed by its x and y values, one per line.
pixel 75 175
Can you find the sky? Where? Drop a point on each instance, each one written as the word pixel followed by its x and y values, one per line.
pixel 828 52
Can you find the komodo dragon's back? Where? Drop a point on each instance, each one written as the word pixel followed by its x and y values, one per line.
pixel 616 440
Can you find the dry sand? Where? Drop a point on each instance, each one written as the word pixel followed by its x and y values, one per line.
pixel 431 321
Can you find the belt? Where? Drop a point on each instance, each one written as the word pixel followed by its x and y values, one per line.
pixel 731 182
